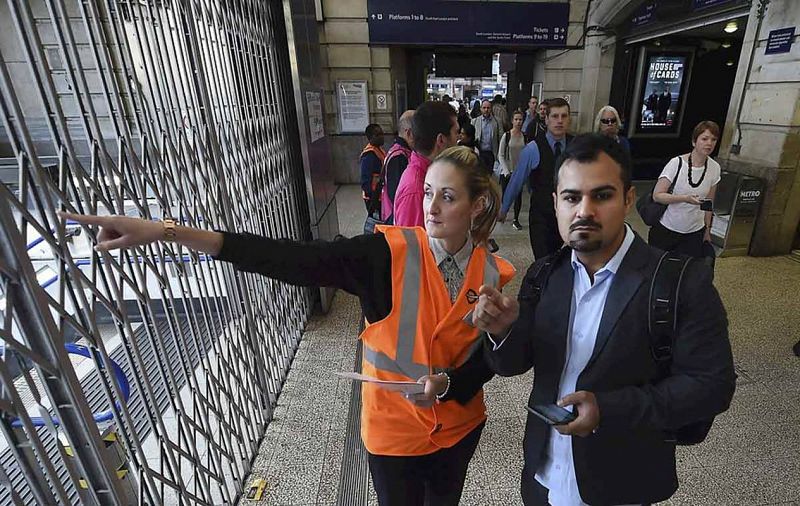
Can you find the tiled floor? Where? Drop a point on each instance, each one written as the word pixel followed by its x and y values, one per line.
pixel 752 455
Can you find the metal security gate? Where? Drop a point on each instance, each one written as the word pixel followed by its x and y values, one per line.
pixel 148 374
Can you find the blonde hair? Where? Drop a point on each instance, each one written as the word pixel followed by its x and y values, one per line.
pixel 479 184
pixel 606 108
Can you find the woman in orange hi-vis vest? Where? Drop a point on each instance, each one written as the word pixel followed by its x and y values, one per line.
pixel 417 290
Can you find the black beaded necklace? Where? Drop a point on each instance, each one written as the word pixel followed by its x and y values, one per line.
pixel 689 173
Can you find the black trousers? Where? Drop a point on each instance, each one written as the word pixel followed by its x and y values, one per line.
pixel 487 158
pixel 436 479
pixel 689 244
pixel 517 203
pixel 543 228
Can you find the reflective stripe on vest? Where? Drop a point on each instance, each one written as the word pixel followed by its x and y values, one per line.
pixel 409 310
pixel 423 332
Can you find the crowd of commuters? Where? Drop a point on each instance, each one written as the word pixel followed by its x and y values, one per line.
pixel 524 155
pixel 436 314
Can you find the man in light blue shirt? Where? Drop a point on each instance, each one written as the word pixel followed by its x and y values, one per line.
pixel 528 162
pixel 589 297
pixel 531 113
pixel 536 167
pixel 487 135
pixel 585 333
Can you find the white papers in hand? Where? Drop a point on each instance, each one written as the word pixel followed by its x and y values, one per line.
pixel 407 387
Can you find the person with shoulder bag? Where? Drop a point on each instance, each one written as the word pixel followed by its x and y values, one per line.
pixel 686 188
pixel 511 145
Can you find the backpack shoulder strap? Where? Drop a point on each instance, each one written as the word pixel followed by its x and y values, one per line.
pixel 538 275
pixel 662 313
pixel 382 177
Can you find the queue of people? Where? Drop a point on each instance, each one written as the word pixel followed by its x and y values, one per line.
pixel 432 296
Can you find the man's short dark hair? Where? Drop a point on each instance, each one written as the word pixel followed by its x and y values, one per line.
pixel 586 148
pixel 556 102
pixel 430 120
pixel 498 99
pixel 371 130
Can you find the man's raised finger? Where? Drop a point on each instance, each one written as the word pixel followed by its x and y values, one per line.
pixel 489 291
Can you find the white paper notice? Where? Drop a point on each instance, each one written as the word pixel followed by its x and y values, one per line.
pixel 408 387
pixel 353 106
pixel 315 120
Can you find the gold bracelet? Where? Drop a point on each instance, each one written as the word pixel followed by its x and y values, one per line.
pixel 169 229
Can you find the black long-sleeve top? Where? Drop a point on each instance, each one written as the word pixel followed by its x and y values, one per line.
pixel 360 266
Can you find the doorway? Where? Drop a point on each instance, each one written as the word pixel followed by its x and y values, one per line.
pixel 714 54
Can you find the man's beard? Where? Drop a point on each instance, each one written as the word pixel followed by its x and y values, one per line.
pixel 583 244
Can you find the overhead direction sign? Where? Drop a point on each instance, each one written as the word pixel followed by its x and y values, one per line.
pixel 437 22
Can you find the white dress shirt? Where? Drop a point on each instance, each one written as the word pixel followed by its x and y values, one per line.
pixel 557 471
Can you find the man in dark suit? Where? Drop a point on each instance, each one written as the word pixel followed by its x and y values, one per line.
pixel 536 166
pixel 588 342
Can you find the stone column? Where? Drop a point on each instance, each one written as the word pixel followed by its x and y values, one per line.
pixel 598 60
pixel 590 93
pixel 768 134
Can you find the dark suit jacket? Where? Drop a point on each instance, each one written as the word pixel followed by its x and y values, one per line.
pixel 628 459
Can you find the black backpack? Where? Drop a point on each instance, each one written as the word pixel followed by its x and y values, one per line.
pixel 662 317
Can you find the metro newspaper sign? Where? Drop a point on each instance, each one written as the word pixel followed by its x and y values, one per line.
pixel 433 22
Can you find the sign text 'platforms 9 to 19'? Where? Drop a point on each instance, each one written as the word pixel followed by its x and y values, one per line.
pixel 437 22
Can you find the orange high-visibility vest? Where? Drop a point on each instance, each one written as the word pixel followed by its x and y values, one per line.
pixel 381 154
pixel 423 334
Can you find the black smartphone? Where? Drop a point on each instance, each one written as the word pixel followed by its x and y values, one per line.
pixel 706 205
pixel 552 414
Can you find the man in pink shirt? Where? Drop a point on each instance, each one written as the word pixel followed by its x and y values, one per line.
pixel 435 128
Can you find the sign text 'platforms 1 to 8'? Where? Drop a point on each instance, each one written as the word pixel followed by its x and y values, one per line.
pixel 436 22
